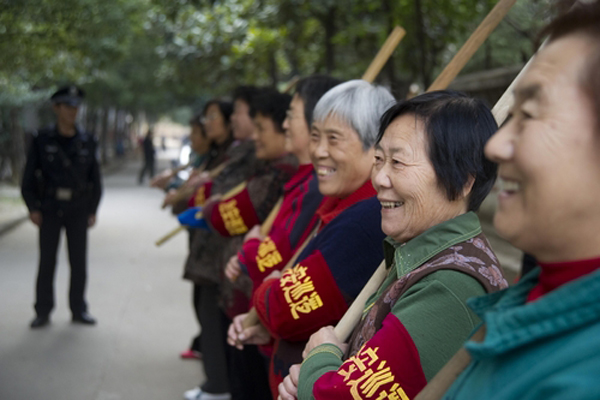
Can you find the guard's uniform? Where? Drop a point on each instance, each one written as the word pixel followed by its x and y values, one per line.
pixel 62 181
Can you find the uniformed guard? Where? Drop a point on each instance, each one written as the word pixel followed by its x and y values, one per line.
pixel 62 188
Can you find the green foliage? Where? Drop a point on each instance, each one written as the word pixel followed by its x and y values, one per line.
pixel 160 55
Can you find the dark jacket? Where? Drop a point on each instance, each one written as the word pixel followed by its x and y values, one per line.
pixel 62 172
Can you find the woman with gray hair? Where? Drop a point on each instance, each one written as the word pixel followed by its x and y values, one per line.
pixel 346 248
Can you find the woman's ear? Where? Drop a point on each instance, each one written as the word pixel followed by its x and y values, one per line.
pixel 468 187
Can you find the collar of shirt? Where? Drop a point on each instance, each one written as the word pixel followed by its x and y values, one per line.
pixel 410 255
pixel 333 206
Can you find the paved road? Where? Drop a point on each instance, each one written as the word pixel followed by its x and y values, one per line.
pixel 134 290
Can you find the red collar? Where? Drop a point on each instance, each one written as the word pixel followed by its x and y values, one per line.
pixel 554 275
pixel 300 176
pixel 333 206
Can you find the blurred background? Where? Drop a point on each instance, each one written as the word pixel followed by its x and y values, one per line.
pixel 142 61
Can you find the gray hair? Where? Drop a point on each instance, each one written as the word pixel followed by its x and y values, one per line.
pixel 357 103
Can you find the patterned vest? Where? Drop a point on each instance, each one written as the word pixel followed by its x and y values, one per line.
pixel 473 257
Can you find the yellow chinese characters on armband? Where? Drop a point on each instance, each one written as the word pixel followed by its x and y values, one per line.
pixel 234 223
pixel 299 291
pixel 200 198
pixel 365 374
pixel 268 255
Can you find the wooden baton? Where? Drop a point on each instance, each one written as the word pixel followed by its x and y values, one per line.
pixel 476 39
pixel 384 54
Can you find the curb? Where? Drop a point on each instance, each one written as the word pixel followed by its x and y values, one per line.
pixel 8 226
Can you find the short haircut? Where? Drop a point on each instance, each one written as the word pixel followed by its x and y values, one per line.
pixel 311 89
pixel 225 107
pixel 457 128
pixel 272 104
pixel 582 18
pixel 245 93
pixel 357 103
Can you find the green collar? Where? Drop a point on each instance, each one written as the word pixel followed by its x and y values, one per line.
pixel 412 254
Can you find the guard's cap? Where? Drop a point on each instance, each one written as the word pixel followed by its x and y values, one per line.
pixel 71 95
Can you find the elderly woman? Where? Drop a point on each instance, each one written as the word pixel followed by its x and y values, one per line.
pixel 338 261
pixel 542 337
pixel 430 175
pixel 296 217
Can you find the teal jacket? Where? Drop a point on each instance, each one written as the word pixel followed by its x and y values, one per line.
pixel 543 350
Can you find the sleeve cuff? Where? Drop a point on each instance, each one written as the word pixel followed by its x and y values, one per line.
pixel 326 348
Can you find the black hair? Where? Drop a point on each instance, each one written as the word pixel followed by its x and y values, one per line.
pixel 245 93
pixel 457 129
pixel 272 104
pixel 311 89
pixel 225 107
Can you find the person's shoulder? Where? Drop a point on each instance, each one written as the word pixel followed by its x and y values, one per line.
pixel 362 218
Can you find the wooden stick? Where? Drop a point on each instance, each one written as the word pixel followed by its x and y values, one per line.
pixel 169 235
pixel 344 327
pixel 265 228
pixel 292 83
pixel 442 381
pixel 384 54
pixel 472 44
pixel 252 317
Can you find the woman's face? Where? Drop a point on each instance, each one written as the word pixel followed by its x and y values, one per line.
pixel 270 143
pixel 548 159
pixel 214 123
pixel 412 200
pixel 297 134
pixel 198 142
pixel 339 158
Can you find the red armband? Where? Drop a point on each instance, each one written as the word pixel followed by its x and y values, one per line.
pixel 386 367
pixel 200 196
pixel 273 253
pixel 304 299
pixel 234 215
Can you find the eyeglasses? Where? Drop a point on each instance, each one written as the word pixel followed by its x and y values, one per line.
pixel 210 117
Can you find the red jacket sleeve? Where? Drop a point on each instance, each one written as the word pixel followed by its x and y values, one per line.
pixel 305 298
pixel 386 367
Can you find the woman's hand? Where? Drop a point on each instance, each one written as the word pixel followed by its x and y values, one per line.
pixel 288 389
pixel 233 269
pixel 276 274
pixel 237 336
pixel 322 336
pixel 161 180
pixel 170 198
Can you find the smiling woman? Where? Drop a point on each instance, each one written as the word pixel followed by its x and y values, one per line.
pixel 430 173
pixel 338 261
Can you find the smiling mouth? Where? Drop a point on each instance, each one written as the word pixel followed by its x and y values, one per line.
pixel 325 171
pixel 391 204
pixel 508 186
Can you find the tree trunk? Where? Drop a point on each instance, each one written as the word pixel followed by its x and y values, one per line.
pixel 273 68
pixel 424 69
pixel 330 31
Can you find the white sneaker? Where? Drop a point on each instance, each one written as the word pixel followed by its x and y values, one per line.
pixel 197 394
pixel 193 394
